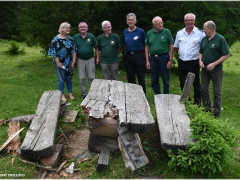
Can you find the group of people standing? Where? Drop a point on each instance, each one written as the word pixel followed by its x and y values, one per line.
pixel 154 50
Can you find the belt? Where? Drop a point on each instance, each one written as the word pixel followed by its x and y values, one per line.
pixel 86 58
pixel 157 55
pixel 134 52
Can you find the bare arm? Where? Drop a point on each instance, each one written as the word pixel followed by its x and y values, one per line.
pixel 171 50
pixel 97 56
pixel 147 57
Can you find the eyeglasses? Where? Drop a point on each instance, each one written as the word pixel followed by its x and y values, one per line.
pixel 82 27
pixel 67 27
pixel 189 20
pixel 108 27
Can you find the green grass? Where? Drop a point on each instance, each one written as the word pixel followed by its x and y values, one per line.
pixel 24 78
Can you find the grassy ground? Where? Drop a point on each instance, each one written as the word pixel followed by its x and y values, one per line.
pixel 24 78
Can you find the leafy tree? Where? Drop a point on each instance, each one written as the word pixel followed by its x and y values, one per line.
pixel 39 21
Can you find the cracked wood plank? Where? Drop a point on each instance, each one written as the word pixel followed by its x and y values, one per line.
pixel 173 122
pixel 39 140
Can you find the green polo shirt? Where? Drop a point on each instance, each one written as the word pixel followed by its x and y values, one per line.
pixel 85 46
pixel 109 48
pixel 158 42
pixel 214 49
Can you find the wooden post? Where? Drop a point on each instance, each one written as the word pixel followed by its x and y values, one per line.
pixel 187 85
pixel 103 160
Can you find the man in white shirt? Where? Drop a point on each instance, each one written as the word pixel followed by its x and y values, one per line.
pixel 187 44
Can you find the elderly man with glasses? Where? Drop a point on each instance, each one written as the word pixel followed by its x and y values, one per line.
pixel 86 43
pixel 109 45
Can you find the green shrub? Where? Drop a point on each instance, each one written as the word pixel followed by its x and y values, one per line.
pixel 15 48
pixel 214 145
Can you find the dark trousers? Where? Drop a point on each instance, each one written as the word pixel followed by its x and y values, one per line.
pixel 184 67
pixel 159 68
pixel 216 76
pixel 135 65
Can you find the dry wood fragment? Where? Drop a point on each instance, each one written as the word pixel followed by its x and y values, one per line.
pixel 44 175
pixel 26 118
pixel 14 126
pixel 63 134
pixel 94 159
pixel 61 166
pixel 49 168
pixel 3 121
pixel 10 139
pixel 82 160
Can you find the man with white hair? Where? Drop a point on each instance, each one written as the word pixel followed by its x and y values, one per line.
pixel 187 45
pixel 109 45
pixel 159 55
pixel 213 51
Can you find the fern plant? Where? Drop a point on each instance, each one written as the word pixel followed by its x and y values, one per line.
pixel 213 147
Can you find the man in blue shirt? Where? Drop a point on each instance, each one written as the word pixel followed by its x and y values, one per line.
pixel 134 42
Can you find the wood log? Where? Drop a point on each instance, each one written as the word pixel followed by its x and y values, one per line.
pixel 173 122
pixel 187 86
pixel 103 160
pixel 131 148
pixel 39 140
pixel 97 143
pixel 103 127
pixel 139 117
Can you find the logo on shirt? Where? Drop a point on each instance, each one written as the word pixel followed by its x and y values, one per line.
pixel 88 40
pixel 213 46
pixel 135 38
pixel 194 42
pixel 162 37
pixel 112 43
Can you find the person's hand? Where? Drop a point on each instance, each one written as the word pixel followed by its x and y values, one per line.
pixel 210 67
pixel 201 64
pixel 148 65
pixel 169 64
pixel 73 65
pixel 97 61
pixel 59 64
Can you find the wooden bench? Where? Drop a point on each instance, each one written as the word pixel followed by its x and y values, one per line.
pixel 173 121
pixel 39 140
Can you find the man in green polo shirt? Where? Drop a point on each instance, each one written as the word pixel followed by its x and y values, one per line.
pixel 213 51
pixel 109 45
pixel 85 43
pixel 159 55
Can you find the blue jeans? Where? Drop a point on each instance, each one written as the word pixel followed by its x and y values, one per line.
pixel 63 77
pixel 159 68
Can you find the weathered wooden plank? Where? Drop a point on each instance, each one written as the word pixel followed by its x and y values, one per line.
pixel 131 148
pixel 103 160
pixel 95 103
pixel 139 117
pixel 173 122
pixel 97 143
pixel 122 101
pixel 39 140
pixel 103 127
pixel 187 85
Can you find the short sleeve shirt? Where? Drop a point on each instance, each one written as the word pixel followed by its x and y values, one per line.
pixel 134 40
pixel 213 49
pixel 189 44
pixel 63 49
pixel 159 42
pixel 85 45
pixel 109 48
